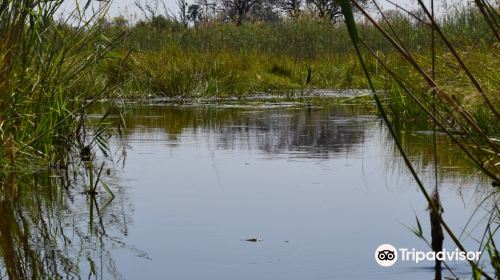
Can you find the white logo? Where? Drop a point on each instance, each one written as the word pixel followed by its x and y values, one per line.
pixel 386 255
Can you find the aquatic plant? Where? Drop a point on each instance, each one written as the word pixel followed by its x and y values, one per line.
pixel 47 79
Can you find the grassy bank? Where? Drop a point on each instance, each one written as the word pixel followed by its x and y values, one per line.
pixel 277 56
pixel 223 59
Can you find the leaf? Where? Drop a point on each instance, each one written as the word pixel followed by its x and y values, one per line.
pixel 349 20
pixel 353 33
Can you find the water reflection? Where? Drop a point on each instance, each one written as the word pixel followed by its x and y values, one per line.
pixel 324 130
pixel 294 130
pixel 51 230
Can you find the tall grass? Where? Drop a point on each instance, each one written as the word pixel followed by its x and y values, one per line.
pixel 47 78
pixel 224 59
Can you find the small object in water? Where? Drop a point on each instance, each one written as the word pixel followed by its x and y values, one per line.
pixel 85 153
pixel 108 171
pixel 495 184
pixel 253 239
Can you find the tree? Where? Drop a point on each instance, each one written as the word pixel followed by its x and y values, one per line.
pixel 119 22
pixel 149 8
pixel 194 14
pixel 161 22
pixel 265 11
pixel 291 7
pixel 182 17
pixel 156 19
pixel 238 9
pixel 208 9
pixel 330 9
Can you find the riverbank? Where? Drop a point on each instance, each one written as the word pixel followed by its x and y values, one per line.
pixel 225 60
pixel 45 96
pixel 228 60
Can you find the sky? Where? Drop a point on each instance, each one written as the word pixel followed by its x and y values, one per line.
pixel 128 8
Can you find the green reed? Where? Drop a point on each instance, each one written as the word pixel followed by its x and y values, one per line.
pixel 47 79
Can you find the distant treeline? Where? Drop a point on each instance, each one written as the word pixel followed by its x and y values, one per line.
pixel 203 12
pixel 292 27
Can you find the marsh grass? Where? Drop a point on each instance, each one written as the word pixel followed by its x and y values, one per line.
pixel 221 59
pixel 47 79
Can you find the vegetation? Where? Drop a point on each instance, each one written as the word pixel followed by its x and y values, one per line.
pixel 440 73
pixel 296 54
pixel 67 65
pixel 47 79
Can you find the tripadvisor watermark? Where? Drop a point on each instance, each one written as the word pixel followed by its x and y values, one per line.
pixel 387 255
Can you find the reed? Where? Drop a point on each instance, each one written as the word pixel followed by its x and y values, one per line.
pixel 47 79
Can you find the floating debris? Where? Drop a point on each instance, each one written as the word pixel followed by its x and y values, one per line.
pixel 253 240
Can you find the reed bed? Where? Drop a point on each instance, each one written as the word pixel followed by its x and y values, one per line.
pixel 223 59
pixel 48 78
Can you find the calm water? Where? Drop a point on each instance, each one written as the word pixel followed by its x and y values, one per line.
pixel 322 187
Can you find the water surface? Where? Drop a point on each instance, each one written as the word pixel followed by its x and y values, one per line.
pixel 321 186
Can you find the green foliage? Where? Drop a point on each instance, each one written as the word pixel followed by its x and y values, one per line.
pixel 47 78
pixel 225 59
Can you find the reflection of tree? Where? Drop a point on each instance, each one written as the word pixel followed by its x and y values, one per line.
pixel 310 132
pixel 316 132
pixel 49 231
